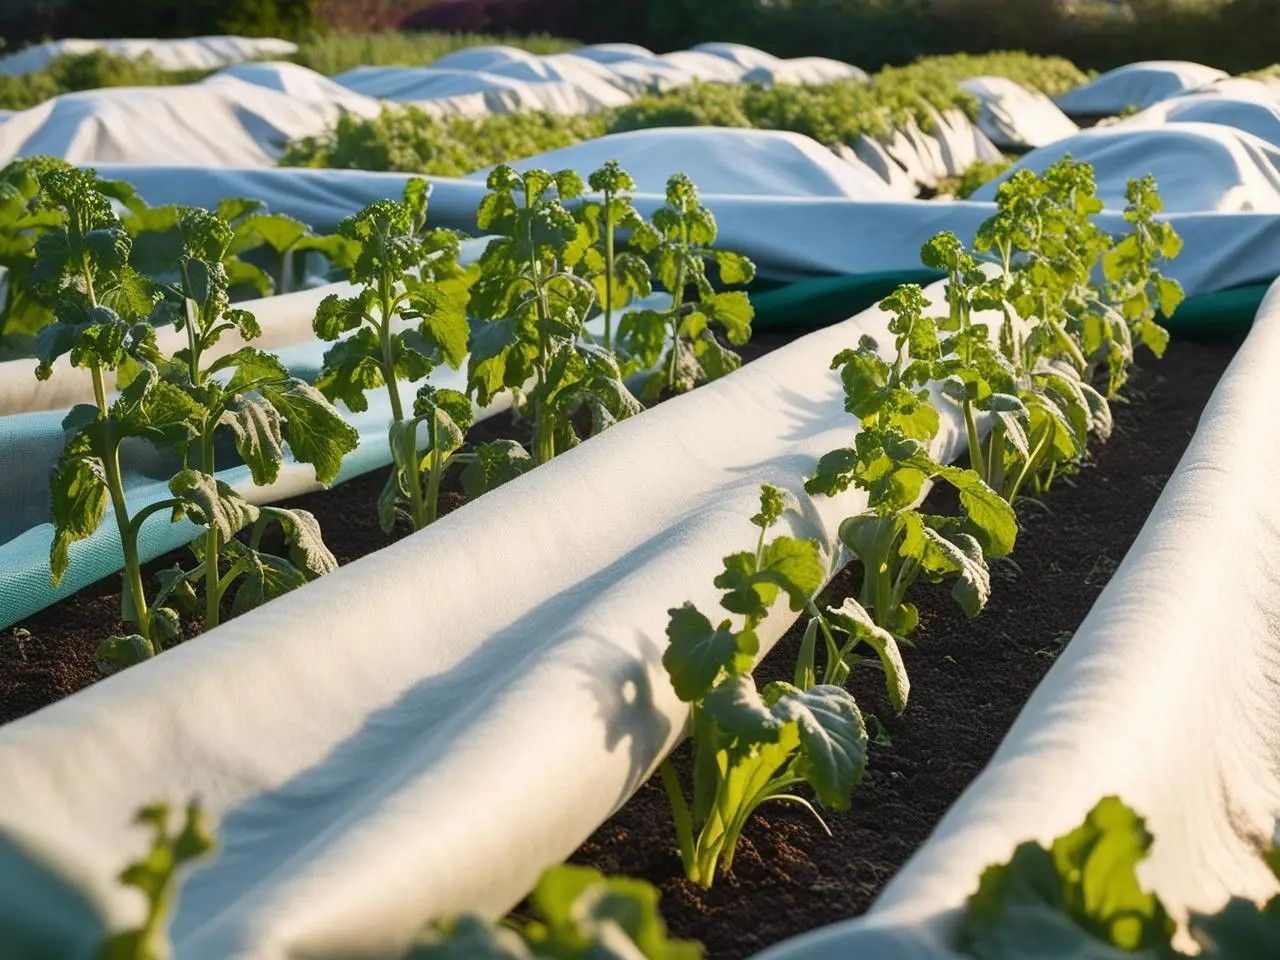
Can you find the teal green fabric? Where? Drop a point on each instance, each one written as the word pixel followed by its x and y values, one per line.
pixel 822 301
pixel 1224 315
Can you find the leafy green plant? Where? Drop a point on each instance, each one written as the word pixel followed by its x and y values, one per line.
pixel 616 276
pixel 104 309
pixel 894 542
pixel 1061 331
pixel 752 746
pixel 1135 286
pixel 156 876
pixel 678 245
pixel 533 309
pixel 23 220
pixel 1081 896
pixel 408 318
pixel 411 140
pixel 583 915
pixel 978 174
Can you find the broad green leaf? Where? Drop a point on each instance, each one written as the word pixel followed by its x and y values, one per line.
pixel 468 937
pixel 1239 931
pixel 442 309
pixel 787 564
pixel 833 739
pixel 313 428
pixel 337 315
pixel 119 653
pixel 306 545
pixel 491 343
pixel 964 561
pixel 280 231
pixel 630 906
pixel 256 426
pixel 266 579
pixel 212 503
pixel 853 619
pixel 834 472
pixel 698 652
pixel 989 518
pixel 351 367
pixel 78 500
pixel 1082 897
pixel 734 267
pixel 740 712
pixel 496 463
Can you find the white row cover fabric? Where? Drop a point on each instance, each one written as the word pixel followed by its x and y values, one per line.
pixel 1015 118
pixel 195 53
pixel 476 93
pixel 1198 166
pixel 1258 117
pixel 225 123
pixel 1184 729
pixel 301 84
pixel 1136 85
pixel 513 699
pixel 789 238
pixel 729 161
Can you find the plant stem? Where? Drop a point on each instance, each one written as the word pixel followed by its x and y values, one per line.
pixel 608 271
pixel 970 423
pixel 680 816
pixel 212 595
pixel 434 476
pixel 406 457
pixel 115 489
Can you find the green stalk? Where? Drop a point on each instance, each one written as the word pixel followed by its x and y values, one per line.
pixel 1031 461
pixel 407 456
pixel 212 595
pixel 436 470
pixel 970 423
pixel 608 271
pixel 677 301
pixel 681 817
pixel 115 489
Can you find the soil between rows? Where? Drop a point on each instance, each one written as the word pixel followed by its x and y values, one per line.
pixel 969 679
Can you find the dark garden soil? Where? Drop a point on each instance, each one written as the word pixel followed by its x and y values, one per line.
pixel 969 680
pixel 51 654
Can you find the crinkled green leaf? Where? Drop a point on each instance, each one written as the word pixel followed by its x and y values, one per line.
pixel 313 428
pixel 212 503
pixel 698 652
pixel 256 426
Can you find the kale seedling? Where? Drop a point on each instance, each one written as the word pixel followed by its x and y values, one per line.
pixel 894 542
pixel 408 318
pixel 533 308
pixel 751 746
pixel 678 244
pixel 616 276
pixel 104 311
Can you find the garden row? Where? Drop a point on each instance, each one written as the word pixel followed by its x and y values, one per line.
pixel 1027 349
pixel 330 54
pixel 413 140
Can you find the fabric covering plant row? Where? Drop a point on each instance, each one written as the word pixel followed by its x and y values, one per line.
pixel 1028 350
pixel 412 140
